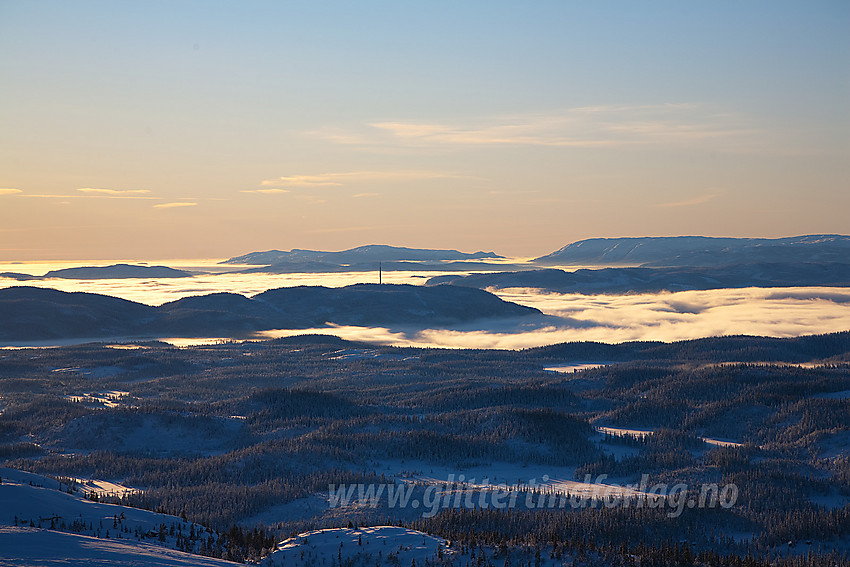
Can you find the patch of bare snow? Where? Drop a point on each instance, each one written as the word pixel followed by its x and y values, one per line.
pixel 379 545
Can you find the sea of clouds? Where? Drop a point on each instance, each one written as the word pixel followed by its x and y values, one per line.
pixel 778 312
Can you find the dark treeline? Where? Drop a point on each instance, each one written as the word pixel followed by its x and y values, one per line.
pixel 614 537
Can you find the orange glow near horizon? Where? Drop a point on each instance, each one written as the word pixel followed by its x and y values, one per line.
pixel 214 131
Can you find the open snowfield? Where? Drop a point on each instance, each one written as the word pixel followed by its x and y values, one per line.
pixel 43 525
pixel 102 487
pixel 430 488
pixel 380 545
pixel 640 433
pixel 27 496
pixel 34 547
pixel 575 367
pixel 507 476
pixel 110 399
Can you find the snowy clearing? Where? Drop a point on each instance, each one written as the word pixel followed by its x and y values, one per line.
pixel 110 399
pixel 385 545
pixel 641 433
pixel 575 367
pixel 510 476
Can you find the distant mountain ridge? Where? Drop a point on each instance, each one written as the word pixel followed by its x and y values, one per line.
pixel 115 271
pixel 31 313
pixel 369 253
pixel 702 251
pixel 392 266
pixel 651 280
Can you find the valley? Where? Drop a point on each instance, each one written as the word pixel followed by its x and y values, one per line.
pixel 313 432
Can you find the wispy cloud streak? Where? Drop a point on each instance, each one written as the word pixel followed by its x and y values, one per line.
pixel 87 193
pixel 114 192
pixel 605 126
pixel 273 191
pixel 343 178
pixel 174 205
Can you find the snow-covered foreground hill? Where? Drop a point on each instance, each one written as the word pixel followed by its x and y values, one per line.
pixel 43 524
pixel 380 545
pixel 35 547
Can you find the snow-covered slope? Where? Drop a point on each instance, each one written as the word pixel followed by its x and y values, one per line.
pixel 34 547
pixel 380 545
pixel 41 524
pixel 33 498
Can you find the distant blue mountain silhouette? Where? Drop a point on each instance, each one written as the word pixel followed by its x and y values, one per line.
pixel 117 271
pixel 31 313
pixel 648 280
pixel 399 266
pixel 19 276
pixel 702 251
pixel 370 253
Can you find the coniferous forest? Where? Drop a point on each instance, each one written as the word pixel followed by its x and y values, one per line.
pixel 248 441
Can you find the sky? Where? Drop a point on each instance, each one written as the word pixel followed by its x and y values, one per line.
pixel 136 130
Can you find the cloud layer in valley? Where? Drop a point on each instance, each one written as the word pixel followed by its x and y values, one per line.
pixel 779 312
pixel 644 317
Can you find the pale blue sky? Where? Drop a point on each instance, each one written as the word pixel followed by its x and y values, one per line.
pixel 214 128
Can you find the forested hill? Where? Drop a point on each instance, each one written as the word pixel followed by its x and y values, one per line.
pixel 651 280
pixel 741 348
pixel 31 313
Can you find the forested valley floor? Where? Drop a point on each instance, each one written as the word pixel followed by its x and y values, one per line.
pixel 247 441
